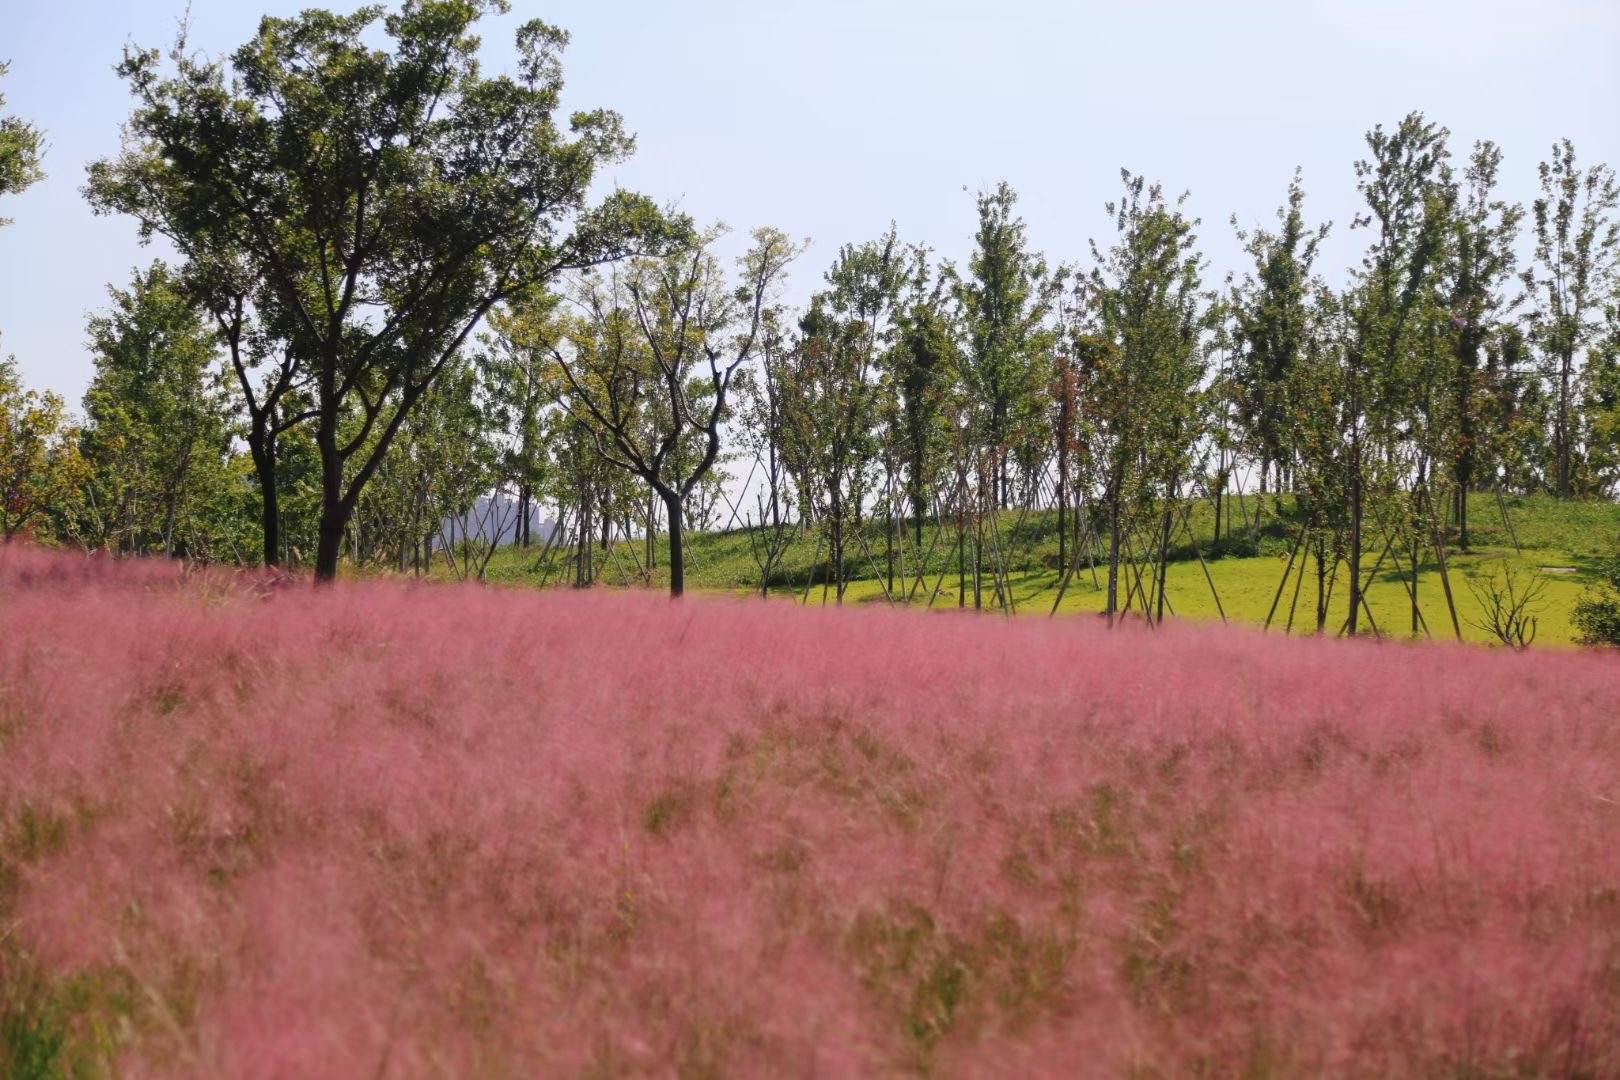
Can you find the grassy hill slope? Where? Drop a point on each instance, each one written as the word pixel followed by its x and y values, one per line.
pixel 1555 542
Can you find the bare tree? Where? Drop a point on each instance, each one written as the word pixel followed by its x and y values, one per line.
pixel 1510 605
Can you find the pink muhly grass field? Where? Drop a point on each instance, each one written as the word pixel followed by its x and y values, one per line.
pixel 385 829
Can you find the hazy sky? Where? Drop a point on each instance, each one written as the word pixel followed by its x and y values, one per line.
pixel 829 119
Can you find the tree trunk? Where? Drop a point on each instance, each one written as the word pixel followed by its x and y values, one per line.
pixel 582 567
pixel 1355 530
pixel 1321 588
pixel 1416 555
pixel 1561 434
pixel 978 556
pixel 888 543
pixel 1063 510
pixel 1116 482
pixel 1164 556
pixel 836 539
pixel 677 552
pixel 334 511
pixel 1464 475
pixel 1467 362
pixel 334 522
pixel 262 448
pixel 961 559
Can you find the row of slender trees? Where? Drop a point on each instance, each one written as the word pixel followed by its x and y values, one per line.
pixel 397 325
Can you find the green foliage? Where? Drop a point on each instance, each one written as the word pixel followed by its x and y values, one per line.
pixel 157 430
pixel 1004 300
pixel 1478 266
pixel 32 1039
pixel 648 368
pixel 1597 613
pixel 1273 330
pixel 1141 362
pixel 834 401
pixel 40 466
pixel 380 200
pixel 1577 251
pixel 921 368
pixel 1600 410
pixel 429 492
pixel 352 197
pixel 20 147
pixel 1392 304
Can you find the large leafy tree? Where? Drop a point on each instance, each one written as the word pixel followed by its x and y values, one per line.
pixel 1577 250
pixel 380 199
pixel 20 146
pixel 157 433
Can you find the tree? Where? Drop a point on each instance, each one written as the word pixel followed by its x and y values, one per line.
pixel 1272 314
pixel 832 390
pixel 922 364
pixel 1004 300
pixel 21 144
pixel 40 466
pixel 764 434
pixel 1478 266
pixel 273 386
pixel 1067 444
pixel 1510 605
pixel 652 337
pixel 1140 360
pixel 1408 209
pixel 1317 429
pixel 440 489
pixel 1577 245
pixel 384 200
pixel 514 361
pixel 1514 441
pixel 157 435
pixel 1600 408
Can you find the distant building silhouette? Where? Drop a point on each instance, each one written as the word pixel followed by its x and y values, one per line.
pixel 492 518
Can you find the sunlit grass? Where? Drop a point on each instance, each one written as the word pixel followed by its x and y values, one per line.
pixel 1558 545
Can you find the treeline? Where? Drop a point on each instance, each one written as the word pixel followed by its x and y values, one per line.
pixel 393 299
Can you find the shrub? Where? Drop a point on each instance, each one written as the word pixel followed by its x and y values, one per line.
pixel 1597 612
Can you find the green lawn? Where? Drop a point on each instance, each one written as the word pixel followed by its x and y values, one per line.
pixel 1559 544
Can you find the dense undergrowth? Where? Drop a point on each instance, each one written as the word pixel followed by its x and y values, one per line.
pixel 250 828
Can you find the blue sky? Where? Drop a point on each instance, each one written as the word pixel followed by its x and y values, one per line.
pixel 830 119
